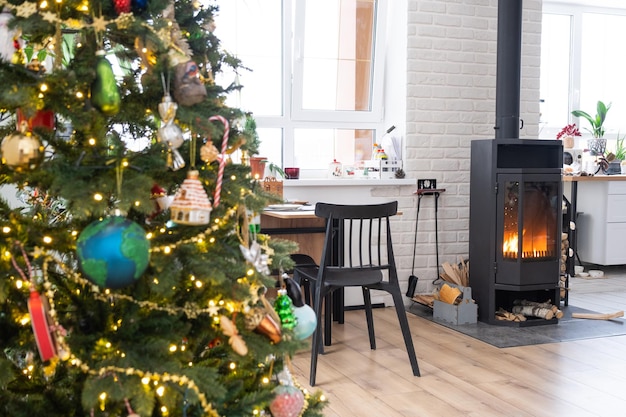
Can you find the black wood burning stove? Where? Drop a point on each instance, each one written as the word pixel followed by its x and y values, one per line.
pixel 515 196
pixel 515 224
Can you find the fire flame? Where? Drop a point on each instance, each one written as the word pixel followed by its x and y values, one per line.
pixel 536 247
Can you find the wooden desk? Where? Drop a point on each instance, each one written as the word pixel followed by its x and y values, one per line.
pixel 302 227
pixel 603 204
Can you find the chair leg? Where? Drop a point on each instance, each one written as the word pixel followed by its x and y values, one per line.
pixel 328 319
pixel 367 301
pixel 306 286
pixel 317 334
pixel 404 325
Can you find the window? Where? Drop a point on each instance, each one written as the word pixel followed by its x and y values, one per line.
pixel 315 88
pixel 581 62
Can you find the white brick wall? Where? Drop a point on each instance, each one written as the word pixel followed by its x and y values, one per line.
pixel 451 79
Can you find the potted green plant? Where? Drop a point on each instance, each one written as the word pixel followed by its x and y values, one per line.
pixel 597 145
pixel 620 149
pixel 257 163
pixel 275 170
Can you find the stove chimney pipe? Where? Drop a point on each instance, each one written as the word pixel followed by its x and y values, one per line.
pixel 508 70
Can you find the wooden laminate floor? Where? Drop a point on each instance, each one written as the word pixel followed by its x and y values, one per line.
pixel 462 376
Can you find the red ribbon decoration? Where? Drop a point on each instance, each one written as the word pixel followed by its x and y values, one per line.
pixel 38 310
pixel 39 319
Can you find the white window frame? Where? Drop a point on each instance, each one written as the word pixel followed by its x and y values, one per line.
pixel 576 12
pixel 378 76
pixel 296 118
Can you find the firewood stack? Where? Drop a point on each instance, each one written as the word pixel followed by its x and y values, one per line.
pixel 522 309
pixel 456 274
pixel 563 264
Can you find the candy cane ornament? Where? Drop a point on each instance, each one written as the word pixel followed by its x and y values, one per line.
pixel 220 172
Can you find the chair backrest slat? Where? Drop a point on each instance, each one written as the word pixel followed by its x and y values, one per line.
pixel 363 228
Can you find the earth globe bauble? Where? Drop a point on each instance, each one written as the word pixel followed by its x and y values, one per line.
pixel 113 253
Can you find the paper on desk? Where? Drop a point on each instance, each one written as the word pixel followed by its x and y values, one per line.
pixel 392 146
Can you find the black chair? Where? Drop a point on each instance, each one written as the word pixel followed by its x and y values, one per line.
pixel 303 261
pixel 357 250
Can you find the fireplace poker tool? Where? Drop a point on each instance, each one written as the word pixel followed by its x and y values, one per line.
pixel 425 187
pixel 413 278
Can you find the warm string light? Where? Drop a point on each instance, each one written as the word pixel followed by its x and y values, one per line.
pixel 147 377
pixel 190 310
pixel 201 237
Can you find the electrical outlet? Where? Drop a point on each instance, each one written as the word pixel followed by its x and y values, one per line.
pixel 427 184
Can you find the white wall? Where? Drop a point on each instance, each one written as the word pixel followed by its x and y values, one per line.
pixel 450 100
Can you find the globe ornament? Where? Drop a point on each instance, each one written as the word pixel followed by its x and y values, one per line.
pixel 22 150
pixel 113 253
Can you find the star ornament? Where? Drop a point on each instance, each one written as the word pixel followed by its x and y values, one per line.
pixel 99 24
pixel 49 17
pixel 26 9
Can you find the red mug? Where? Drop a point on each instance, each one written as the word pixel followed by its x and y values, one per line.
pixel 292 173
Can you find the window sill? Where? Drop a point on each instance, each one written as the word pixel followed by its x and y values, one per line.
pixel 330 182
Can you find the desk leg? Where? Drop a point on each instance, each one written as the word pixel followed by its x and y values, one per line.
pixel 574 242
pixel 573 245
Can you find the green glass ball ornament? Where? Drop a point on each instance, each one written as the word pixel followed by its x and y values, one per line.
pixel 284 309
pixel 105 96
pixel 22 150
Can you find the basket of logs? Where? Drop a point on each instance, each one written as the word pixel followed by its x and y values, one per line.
pixel 457 274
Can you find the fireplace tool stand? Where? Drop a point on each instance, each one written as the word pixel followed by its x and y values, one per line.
pixel 425 187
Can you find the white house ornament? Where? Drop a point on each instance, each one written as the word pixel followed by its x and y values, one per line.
pixel 191 205
pixel 22 150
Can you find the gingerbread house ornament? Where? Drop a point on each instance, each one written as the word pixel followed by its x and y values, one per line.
pixel 191 204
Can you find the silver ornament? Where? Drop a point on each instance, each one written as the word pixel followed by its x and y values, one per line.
pixel 170 134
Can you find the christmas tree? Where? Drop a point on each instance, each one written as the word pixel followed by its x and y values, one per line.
pixel 130 283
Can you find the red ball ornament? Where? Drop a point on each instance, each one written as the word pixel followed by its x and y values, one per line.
pixel 122 6
pixel 288 402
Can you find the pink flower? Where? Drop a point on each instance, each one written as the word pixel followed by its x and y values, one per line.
pixel 569 130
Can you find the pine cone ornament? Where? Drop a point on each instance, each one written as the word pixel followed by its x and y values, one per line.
pixel 122 6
